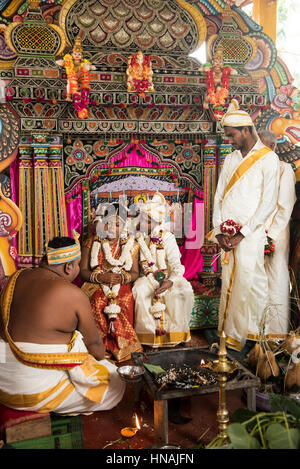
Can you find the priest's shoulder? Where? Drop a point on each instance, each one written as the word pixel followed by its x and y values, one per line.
pixel 67 291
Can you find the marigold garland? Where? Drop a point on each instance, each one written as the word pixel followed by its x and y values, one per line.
pixel 80 101
pixel 218 94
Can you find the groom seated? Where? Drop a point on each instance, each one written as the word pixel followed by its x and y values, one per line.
pixel 163 297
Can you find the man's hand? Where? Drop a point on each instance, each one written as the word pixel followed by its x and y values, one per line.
pixel 164 286
pixel 227 243
pixel 236 239
pixel 224 242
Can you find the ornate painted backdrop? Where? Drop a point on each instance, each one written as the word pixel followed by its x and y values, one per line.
pixel 63 161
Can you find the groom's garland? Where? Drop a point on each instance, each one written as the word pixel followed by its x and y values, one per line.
pixel 155 269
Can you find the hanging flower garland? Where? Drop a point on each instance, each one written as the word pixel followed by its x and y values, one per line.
pixel 155 269
pixel 121 266
pixel 80 101
pixel 269 247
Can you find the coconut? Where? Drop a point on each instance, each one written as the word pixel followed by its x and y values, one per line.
pixel 292 377
pixel 254 355
pixel 267 366
pixel 292 342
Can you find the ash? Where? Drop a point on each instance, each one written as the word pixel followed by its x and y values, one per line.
pixel 186 378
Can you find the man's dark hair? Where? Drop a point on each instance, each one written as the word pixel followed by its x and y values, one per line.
pixel 59 242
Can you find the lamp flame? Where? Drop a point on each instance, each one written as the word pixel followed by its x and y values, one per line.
pixel 137 422
pixel 202 362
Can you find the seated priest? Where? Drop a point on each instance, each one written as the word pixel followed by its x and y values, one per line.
pixel 163 297
pixel 51 353
pixel 108 266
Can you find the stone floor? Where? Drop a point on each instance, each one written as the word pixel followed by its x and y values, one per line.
pixel 102 429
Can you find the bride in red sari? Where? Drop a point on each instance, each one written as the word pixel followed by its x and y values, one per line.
pixel 109 266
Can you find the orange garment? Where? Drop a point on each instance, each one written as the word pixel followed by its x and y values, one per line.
pixel 125 340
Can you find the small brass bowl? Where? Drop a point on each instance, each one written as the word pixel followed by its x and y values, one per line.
pixel 131 373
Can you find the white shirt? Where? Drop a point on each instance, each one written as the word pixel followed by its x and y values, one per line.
pixel 253 198
pixel 279 220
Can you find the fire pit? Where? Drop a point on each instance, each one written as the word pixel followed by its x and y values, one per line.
pixel 187 374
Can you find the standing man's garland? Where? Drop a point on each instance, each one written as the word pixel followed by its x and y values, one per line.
pixel 155 269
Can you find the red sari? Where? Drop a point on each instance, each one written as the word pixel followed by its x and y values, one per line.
pixel 124 340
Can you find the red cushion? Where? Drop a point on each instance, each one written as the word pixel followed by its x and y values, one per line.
pixel 10 417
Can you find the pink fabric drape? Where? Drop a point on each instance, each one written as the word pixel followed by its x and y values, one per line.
pixel 132 158
pixel 14 188
pixel 190 251
pixel 74 209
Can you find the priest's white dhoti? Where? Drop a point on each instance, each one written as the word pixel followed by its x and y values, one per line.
pixel 94 385
pixel 61 378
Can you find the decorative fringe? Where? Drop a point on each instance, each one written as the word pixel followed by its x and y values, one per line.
pixel 111 334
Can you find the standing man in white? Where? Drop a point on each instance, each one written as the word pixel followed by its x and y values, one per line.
pixel 278 232
pixel 246 194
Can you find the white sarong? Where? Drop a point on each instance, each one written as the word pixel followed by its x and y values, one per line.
pixel 179 301
pixel 94 385
pixel 276 265
pixel 246 193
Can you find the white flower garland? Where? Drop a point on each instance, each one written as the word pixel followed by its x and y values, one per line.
pixel 123 262
pixel 94 253
pixel 155 259
pixel 125 259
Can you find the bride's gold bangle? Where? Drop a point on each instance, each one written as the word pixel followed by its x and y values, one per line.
pixel 126 277
pixel 94 277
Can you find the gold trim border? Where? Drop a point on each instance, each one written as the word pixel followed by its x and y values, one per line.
pixel 167 340
pixel 7 35
pixel 199 20
pixel 62 36
pixel 62 18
